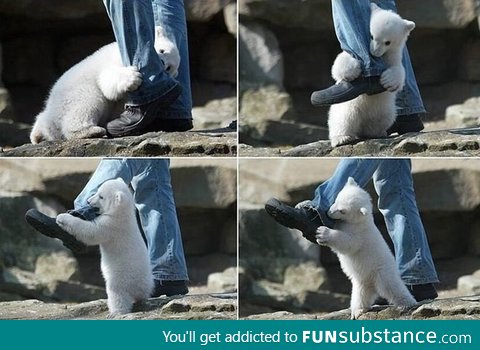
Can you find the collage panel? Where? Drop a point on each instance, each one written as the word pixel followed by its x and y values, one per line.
pixel 337 79
pixel 139 78
pixel 132 238
pixel 359 238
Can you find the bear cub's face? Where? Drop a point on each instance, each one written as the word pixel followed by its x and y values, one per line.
pixel 353 204
pixel 167 51
pixel 388 31
pixel 110 196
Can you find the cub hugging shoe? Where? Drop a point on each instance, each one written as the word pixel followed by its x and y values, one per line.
pixel 304 219
pixel 47 226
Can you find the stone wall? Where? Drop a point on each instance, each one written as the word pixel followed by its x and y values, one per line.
pixel 279 270
pixel 34 266
pixel 41 41
pixel 284 57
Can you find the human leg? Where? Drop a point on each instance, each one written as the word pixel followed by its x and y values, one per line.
pixel 352 26
pixel 170 15
pixel 361 169
pixel 308 216
pixel 394 185
pixel 133 25
pixel 106 170
pixel 409 101
pixel 154 200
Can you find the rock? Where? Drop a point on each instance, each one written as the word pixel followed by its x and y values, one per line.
pixel 47 177
pixel 310 14
pixel 50 9
pixel 228 236
pixel 212 143
pixel 6 109
pixel 203 11
pixel 469 284
pixel 306 277
pixel 428 13
pixel 223 282
pixel 57 266
pixel 200 307
pixel 268 102
pixel 12 134
pixel 443 143
pixel 260 58
pixel 202 266
pixel 230 18
pixel 470 68
pixel 222 66
pixel 29 285
pixel 273 248
pixel 279 132
pixel 200 193
pixel 21 245
pixel 215 114
pixel 463 308
pixel 276 296
pixel 436 101
pixel 468 113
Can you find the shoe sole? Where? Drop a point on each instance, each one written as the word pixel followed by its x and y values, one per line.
pixel 285 219
pixel 37 221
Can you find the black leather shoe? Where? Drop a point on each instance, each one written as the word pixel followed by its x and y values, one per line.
pixel 304 219
pixel 406 123
pixel 170 125
pixel 347 90
pixel 423 292
pixel 135 120
pixel 48 226
pixel 169 288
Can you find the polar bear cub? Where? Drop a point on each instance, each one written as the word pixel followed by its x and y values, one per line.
pixel 370 116
pixel 82 100
pixel 125 263
pixel 363 253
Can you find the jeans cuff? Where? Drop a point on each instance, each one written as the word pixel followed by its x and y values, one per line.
pixel 154 93
pixel 403 112
pixel 372 72
pixel 170 277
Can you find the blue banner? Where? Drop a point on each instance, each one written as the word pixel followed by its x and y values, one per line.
pixel 241 335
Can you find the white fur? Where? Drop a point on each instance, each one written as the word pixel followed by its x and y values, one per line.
pixel 124 258
pixel 81 102
pixel 363 253
pixel 371 116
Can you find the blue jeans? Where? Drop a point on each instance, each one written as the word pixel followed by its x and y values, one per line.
pixel 133 23
pixel 152 191
pixel 352 26
pixel 393 183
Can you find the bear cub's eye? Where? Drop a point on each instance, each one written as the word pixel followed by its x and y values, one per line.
pixel 387 43
pixel 101 197
pixel 342 211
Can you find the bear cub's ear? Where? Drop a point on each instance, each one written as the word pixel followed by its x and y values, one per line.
pixel 409 25
pixel 118 198
pixel 351 181
pixel 374 7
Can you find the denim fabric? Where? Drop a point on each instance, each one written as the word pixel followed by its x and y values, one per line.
pixel 352 23
pixel 170 14
pixel 133 23
pixel 394 185
pixel 152 191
